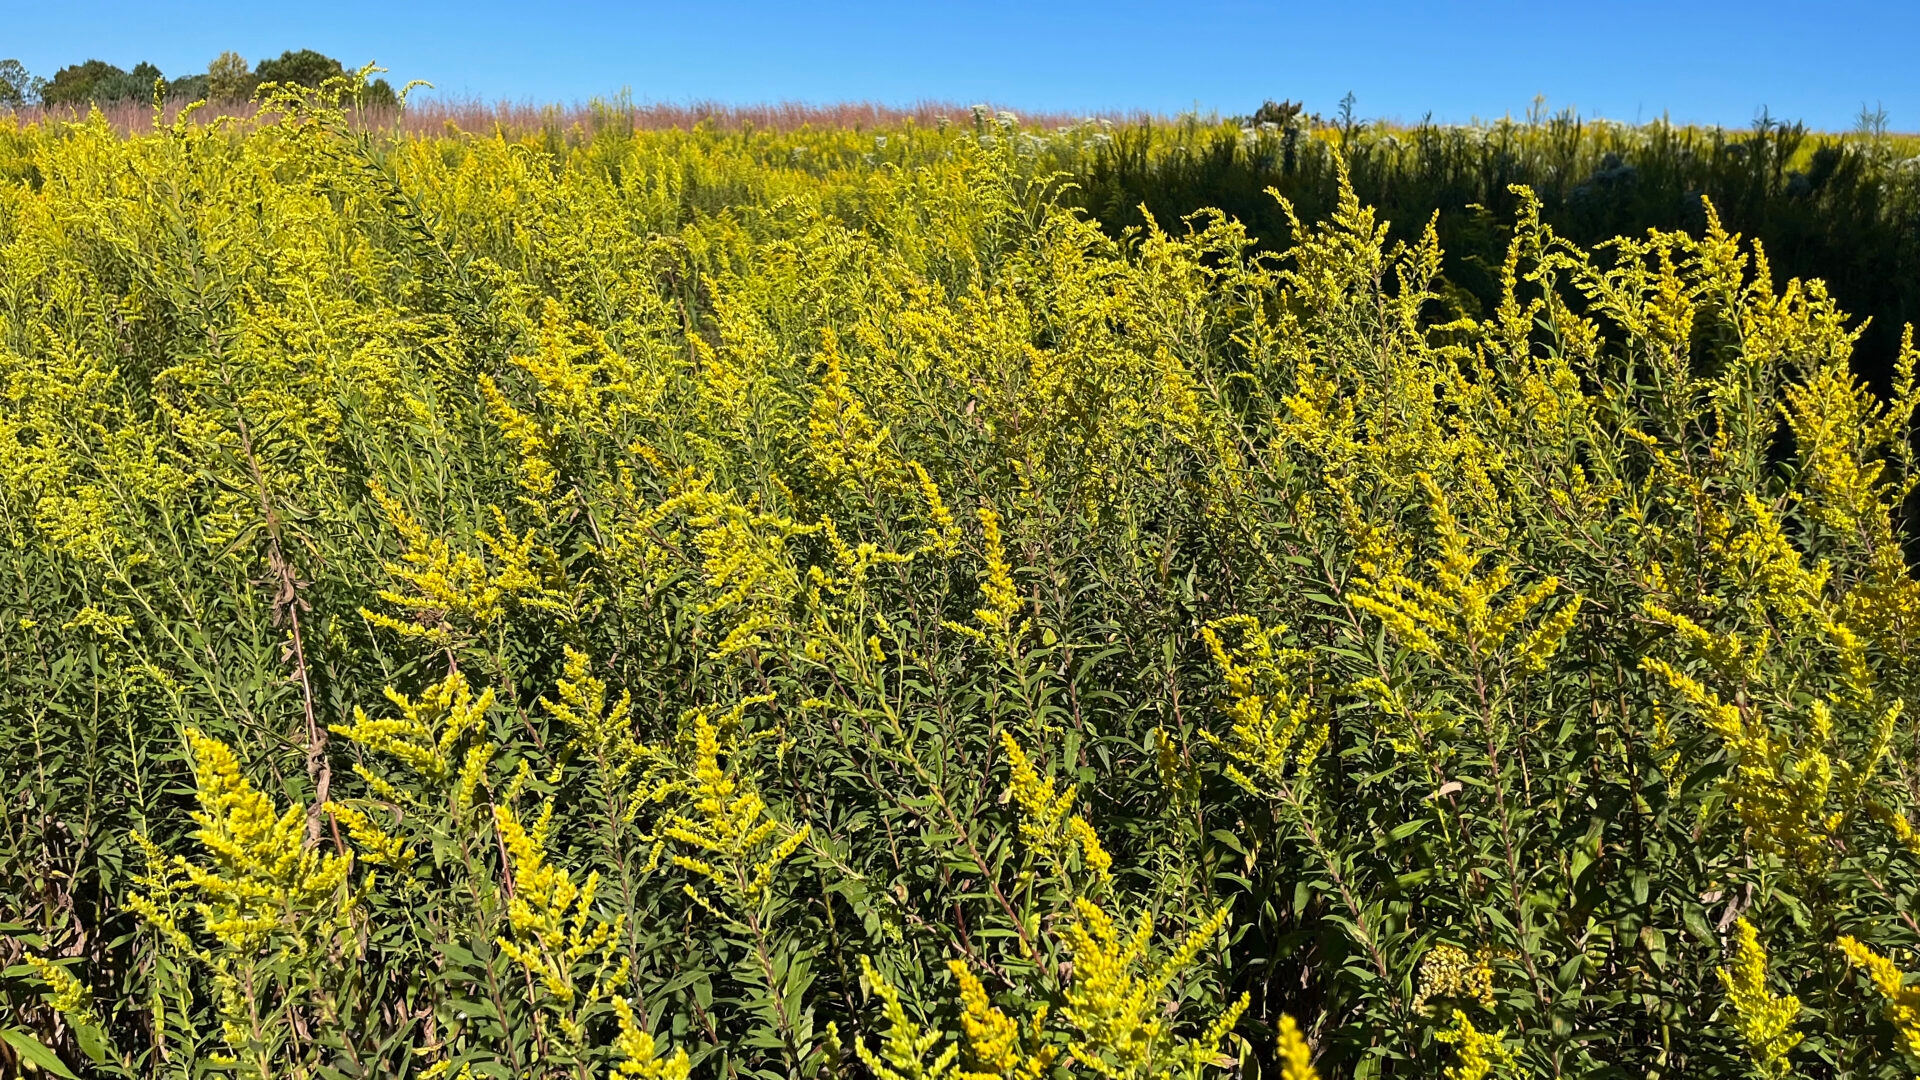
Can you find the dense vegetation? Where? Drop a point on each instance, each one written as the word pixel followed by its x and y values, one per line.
pixel 768 604
pixel 1843 208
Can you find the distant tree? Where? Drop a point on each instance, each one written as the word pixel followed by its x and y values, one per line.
pixel 230 78
pixel 98 82
pixel 75 83
pixel 135 85
pixel 188 88
pixel 309 68
pixel 379 94
pixel 17 86
pixel 303 68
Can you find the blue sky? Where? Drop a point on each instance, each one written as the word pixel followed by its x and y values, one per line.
pixel 1710 62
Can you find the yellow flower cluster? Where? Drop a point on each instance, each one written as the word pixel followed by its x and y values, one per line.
pixel 71 997
pixel 903 1050
pixel 997 588
pixel 846 444
pixel 1276 735
pixel 1048 824
pixel 1114 1003
pixel 1296 1057
pixel 456 594
pixel 554 929
pixel 1447 971
pixel 263 871
pixel 439 738
pixel 1000 1048
pixel 749 571
pixel 1900 1001
pixel 1765 1020
pixel 604 732
pixel 1460 606
pixel 639 1052
pixel 735 845
pixel 273 905
pixel 1482 1054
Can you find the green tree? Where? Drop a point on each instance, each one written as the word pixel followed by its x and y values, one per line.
pixel 98 82
pixel 188 88
pixel 303 68
pixel 378 94
pixel 230 78
pixel 309 68
pixel 17 86
pixel 75 83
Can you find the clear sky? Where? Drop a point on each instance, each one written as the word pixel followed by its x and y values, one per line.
pixel 1710 61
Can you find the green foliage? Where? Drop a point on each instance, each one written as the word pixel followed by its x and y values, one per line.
pixel 18 87
pixel 1841 207
pixel 230 78
pixel 299 68
pixel 312 70
pixel 98 82
pixel 751 605
pixel 227 80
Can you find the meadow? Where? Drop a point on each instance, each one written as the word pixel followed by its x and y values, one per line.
pixel 576 600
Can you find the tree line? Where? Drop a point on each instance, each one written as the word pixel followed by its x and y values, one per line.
pixel 229 77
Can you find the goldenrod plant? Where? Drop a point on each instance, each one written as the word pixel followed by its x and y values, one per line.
pixel 755 603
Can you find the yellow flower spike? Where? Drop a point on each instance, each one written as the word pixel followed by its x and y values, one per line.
pixel 1043 813
pixel 996 585
pixel 1481 1054
pixel 554 927
pixel 996 1043
pixel 375 846
pixel 1092 854
pixel 1901 1002
pixel 1447 971
pixel 601 730
pixel 1119 1013
pixel 943 535
pixel 741 847
pixel 845 443
pixel 640 1053
pixel 537 473
pixel 70 997
pixel 1275 735
pixel 1903 831
pixel 1460 607
pixel 426 736
pixel 1781 791
pixel 1182 957
pixel 1765 1020
pixel 1296 1057
pixel 263 866
pixel 904 1048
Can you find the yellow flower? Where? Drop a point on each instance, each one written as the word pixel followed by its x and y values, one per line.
pixel 1765 1021
pixel 1902 1003
pixel 1481 1054
pixel 639 1052
pixel 1448 972
pixel 1296 1057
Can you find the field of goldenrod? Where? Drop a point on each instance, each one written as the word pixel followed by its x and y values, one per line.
pixel 759 604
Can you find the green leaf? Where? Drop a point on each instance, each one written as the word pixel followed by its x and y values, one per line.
pixel 94 1042
pixel 35 1053
pixel 1406 829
